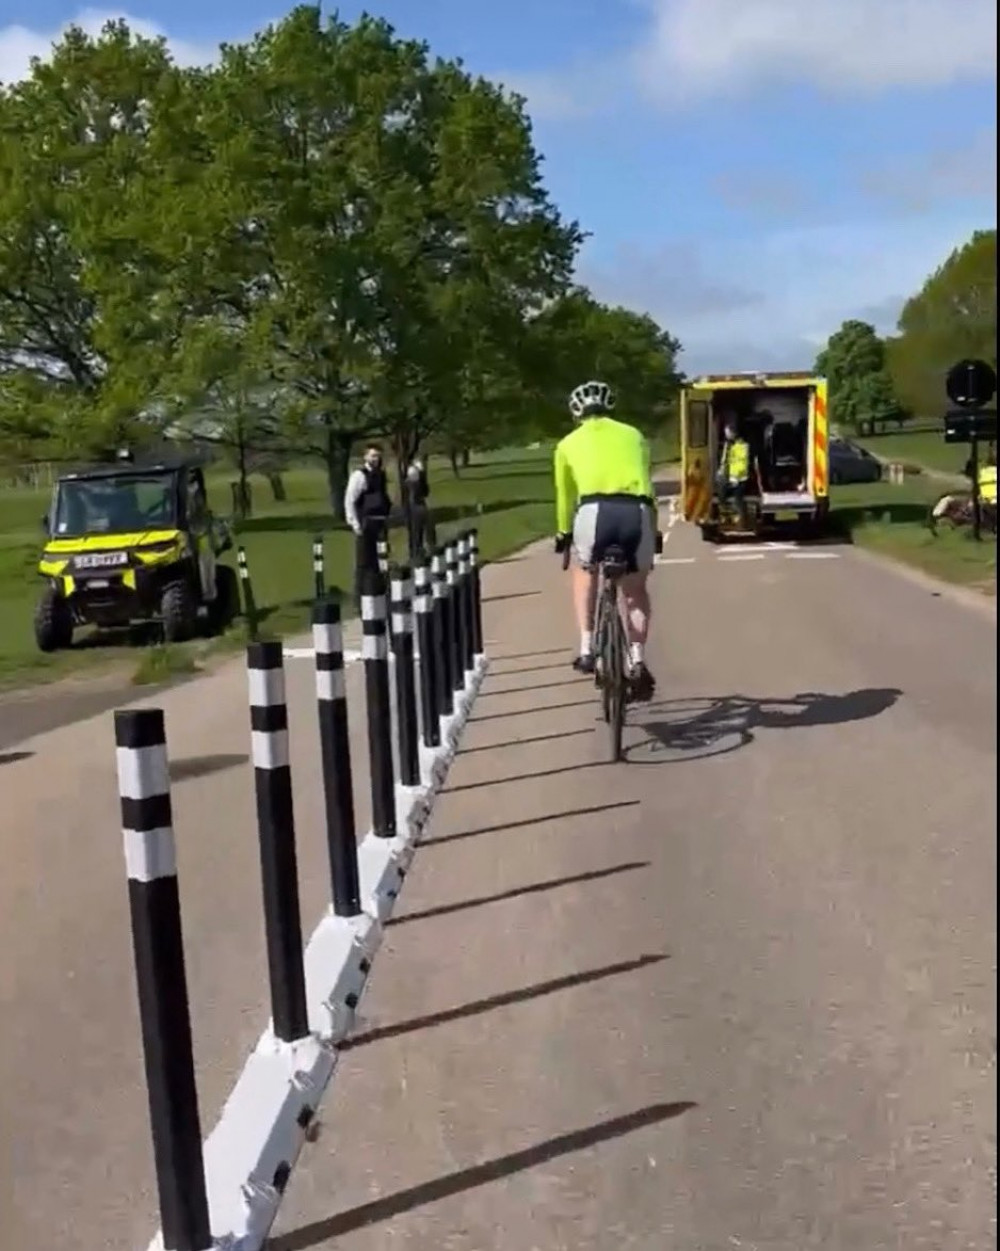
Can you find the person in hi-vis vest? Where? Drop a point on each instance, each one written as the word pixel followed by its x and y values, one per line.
pixel 988 477
pixel 735 464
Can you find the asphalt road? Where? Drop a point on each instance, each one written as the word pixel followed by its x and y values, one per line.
pixel 737 992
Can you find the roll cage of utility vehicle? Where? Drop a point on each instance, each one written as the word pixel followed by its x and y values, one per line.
pixel 133 543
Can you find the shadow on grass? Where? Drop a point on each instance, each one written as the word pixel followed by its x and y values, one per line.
pixel 844 521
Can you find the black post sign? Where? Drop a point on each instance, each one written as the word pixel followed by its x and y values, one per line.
pixel 970 385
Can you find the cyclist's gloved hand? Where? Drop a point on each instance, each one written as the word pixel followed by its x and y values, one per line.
pixel 562 542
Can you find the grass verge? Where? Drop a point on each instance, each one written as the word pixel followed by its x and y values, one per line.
pixel 893 520
pixel 926 449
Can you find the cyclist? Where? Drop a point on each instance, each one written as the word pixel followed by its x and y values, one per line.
pixel 604 498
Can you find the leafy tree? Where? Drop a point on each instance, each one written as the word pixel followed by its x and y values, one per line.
pixel 577 338
pixel 90 300
pixel 953 316
pixel 861 389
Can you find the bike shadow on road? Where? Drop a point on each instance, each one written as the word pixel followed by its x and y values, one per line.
pixel 699 727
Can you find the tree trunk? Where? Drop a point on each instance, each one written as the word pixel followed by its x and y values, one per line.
pixel 453 457
pixel 337 463
pixel 466 457
pixel 244 485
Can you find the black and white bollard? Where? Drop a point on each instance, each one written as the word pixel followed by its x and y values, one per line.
pixel 465 583
pixel 401 602
pixel 456 666
pixel 382 548
pixel 335 751
pixel 154 906
pixel 427 647
pixel 442 635
pixel 375 655
pixel 319 580
pixel 477 595
pixel 276 827
pixel 246 588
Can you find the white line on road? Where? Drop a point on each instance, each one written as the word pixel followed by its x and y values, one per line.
pixel 676 560
pixel 307 653
pixel 730 557
pixel 812 555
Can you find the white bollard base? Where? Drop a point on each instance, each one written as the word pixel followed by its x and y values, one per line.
pixel 252 1150
pixel 337 961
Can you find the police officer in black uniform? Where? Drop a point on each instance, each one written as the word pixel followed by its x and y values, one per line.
pixel 367 506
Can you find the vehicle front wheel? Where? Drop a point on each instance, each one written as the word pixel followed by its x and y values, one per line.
pixel 53 622
pixel 178 611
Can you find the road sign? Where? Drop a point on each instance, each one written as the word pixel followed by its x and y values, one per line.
pixel 963 426
pixel 971 384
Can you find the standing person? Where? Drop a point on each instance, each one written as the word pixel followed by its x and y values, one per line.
pixel 367 507
pixel 421 528
pixel 604 498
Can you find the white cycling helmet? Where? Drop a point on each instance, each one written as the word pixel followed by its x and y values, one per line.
pixel 591 398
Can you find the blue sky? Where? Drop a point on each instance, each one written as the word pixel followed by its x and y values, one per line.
pixel 752 171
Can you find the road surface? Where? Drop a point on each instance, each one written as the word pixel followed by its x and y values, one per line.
pixel 738 992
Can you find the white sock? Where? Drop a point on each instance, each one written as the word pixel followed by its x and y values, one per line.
pixel 635 652
pixel 586 642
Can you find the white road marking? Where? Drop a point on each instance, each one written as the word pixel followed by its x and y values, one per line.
pixel 308 653
pixel 812 555
pixel 676 560
pixel 732 557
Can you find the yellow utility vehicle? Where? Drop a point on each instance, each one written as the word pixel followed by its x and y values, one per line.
pixel 129 544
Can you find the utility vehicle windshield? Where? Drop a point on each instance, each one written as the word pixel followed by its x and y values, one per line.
pixel 113 505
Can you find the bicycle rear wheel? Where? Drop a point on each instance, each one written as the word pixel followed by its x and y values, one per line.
pixel 614 682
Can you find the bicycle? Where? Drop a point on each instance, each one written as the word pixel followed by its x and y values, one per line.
pixel 611 667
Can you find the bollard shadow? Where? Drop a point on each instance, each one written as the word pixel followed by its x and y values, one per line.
pixel 203 766
pixel 517 892
pixel 565 815
pixel 485 690
pixel 513 673
pixel 496 599
pixel 527 777
pixel 518 742
pixel 524 994
pixel 527 712
pixel 12 757
pixel 699 728
pixel 489 1171
pixel 542 651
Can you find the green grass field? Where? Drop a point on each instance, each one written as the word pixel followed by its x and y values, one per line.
pixel 893 520
pixel 507 495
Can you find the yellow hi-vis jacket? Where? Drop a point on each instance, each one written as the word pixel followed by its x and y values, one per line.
pixel 736 461
pixel 988 484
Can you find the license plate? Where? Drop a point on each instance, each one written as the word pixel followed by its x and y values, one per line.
pixel 786 514
pixel 100 584
pixel 101 560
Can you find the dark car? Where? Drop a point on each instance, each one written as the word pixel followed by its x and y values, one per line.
pixel 850 463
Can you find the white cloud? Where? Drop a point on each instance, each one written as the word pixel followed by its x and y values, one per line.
pixel 709 47
pixel 18 44
pixel 692 50
pixel 773 299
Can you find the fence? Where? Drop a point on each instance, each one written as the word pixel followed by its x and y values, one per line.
pixel 421 643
